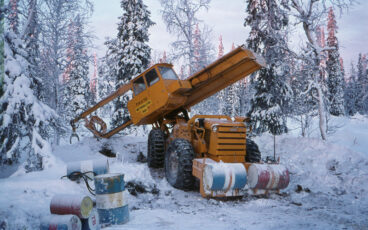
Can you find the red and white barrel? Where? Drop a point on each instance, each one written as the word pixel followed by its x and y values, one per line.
pixel 60 222
pixel 268 176
pixel 224 176
pixel 78 205
pixel 92 223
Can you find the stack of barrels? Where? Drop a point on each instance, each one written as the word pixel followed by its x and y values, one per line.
pixel 71 212
pixel 76 212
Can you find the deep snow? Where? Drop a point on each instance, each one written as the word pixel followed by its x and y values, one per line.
pixel 335 172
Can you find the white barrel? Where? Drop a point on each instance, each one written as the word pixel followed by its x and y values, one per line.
pixel 96 166
pixel 60 222
pixel 78 205
pixel 224 176
pixel 268 176
pixel 92 222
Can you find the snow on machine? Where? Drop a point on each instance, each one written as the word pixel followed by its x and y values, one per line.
pixel 212 148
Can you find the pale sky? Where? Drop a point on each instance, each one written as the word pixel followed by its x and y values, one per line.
pixel 226 18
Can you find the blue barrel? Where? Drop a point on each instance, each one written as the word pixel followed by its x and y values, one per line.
pixel 96 166
pixel 111 203
pixel 60 222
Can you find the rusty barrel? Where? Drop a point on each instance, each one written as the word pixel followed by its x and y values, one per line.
pixel 96 166
pixel 268 176
pixel 92 222
pixel 111 203
pixel 78 205
pixel 60 222
pixel 224 176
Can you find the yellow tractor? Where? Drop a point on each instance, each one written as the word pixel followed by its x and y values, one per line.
pixel 214 149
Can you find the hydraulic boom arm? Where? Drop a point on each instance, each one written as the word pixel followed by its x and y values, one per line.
pixel 90 124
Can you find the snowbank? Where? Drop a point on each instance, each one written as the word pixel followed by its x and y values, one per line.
pixel 328 187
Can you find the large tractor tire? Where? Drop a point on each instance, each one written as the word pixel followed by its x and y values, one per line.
pixel 156 149
pixel 178 164
pixel 253 154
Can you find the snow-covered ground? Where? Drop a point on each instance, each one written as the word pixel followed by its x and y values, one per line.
pixel 332 178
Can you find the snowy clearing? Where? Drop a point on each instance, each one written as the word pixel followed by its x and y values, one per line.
pixel 333 177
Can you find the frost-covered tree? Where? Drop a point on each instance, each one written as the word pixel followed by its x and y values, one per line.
pixel 268 20
pixel 133 53
pixel 1 47
pixel 55 18
pixel 361 103
pixel 13 16
pixel 203 56
pixel 351 92
pixel 335 80
pixel 180 17
pixel 308 14
pixel 77 96
pixel 203 50
pixel 23 116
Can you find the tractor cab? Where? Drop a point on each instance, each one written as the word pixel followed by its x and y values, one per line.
pixel 156 92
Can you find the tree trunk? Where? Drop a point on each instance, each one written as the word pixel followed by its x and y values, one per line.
pixel 321 111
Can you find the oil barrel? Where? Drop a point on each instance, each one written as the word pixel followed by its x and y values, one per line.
pixel 111 203
pixel 60 222
pixel 78 205
pixel 96 166
pixel 224 176
pixel 268 176
pixel 92 222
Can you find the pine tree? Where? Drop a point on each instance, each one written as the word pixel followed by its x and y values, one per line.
pixel 13 16
pixel 1 47
pixel 133 53
pixel 351 93
pixel 361 103
pixel 220 48
pixel 22 115
pixel 76 94
pixel 268 20
pixel 335 80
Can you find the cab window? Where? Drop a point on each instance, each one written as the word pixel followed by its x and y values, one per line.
pixel 152 77
pixel 167 73
pixel 139 86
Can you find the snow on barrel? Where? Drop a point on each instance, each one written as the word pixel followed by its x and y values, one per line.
pixel 92 223
pixel 269 177
pixel 224 176
pixel 111 203
pixel 96 166
pixel 78 205
pixel 60 222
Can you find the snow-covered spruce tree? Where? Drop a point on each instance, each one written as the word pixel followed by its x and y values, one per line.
pixel 180 17
pixel 351 92
pixel 361 86
pixel 107 73
pixel 203 55
pixel 22 115
pixel 268 20
pixel 55 18
pixel 335 79
pixel 1 47
pixel 76 94
pixel 133 52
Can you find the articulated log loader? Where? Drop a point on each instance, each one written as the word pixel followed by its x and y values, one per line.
pixel 210 149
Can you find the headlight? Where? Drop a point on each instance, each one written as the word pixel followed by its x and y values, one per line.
pixel 214 129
